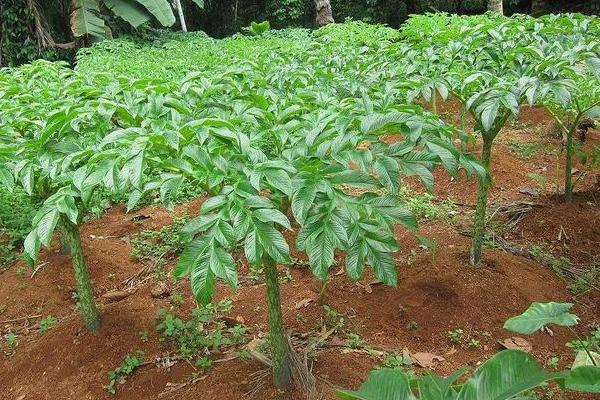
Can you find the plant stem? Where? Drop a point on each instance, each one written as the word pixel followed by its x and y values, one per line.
pixel 65 250
pixel 87 306
pixel 480 211
pixel 569 166
pixel 434 102
pixel 282 375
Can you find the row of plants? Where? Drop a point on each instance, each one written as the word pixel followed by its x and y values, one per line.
pixel 295 138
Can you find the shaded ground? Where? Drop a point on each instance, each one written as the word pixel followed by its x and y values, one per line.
pixel 437 292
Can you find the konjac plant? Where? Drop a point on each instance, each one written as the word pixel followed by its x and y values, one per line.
pixel 492 66
pixel 47 152
pixel 330 176
pixel 568 71
pixel 491 99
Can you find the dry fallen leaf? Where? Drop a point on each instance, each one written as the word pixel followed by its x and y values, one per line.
pixel 303 303
pixel 426 360
pixel 115 295
pixel 516 343
pixel 451 351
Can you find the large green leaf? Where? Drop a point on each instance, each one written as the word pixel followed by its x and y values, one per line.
pixel 223 266
pixel 320 251
pixel 433 387
pixel 505 375
pixel 584 379
pixel 272 241
pixel 46 225
pixel 85 19
pixel 32 245
pixel 130 10
pixel 540 314
pixel 383 384
pixel 6 178
pixel 389 173
pixel 160 9
pixel 303 200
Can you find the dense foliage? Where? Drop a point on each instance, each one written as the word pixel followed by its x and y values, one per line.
pixel 293 130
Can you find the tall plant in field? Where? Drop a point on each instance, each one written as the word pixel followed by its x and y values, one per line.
pixel 49 153
pixel 569 87
pixel 302 178
pixel 490 89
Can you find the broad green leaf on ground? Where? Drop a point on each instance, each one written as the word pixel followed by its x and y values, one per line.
pixel 584 379
pixel 539 315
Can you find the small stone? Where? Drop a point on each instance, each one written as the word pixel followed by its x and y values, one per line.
pixel 160 290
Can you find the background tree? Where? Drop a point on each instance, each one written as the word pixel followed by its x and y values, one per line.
pixel 539 7
pixel 496 6
pixel 324 12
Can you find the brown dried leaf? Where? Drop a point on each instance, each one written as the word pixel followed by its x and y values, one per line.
pixel 115 295
pixel 516 343
pixel 303 303
pixel 426 360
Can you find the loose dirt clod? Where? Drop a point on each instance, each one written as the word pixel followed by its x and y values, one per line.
pixel 160 290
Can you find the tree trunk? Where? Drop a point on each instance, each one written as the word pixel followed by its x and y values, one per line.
pixel 595 6
pixel 85 291
pixel 282 374
pixel 480 211
pixel 539 7
pixel 324 13
pixel 181 16
pixel 496 6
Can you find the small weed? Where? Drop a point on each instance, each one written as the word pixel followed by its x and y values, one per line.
pixel 524 150
pixel 354 341
pixel 204 363
pixel 119 375
pixel 177 299
pixel 583 281
pixel 333 318
pixel 412 325
pixel 397 361
pixel 256 272
pixel 456 335
pixel 423 206
pixel 541 181
pixel 10 340
pixel 552 362
pixel 21 272
pixel 203 332
pixel 47 323
pixel 154 245
pixel 7 254
pixel 474 343
pixel 580 281
pixel 144 336
pixel 244 355
pixel 590 343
